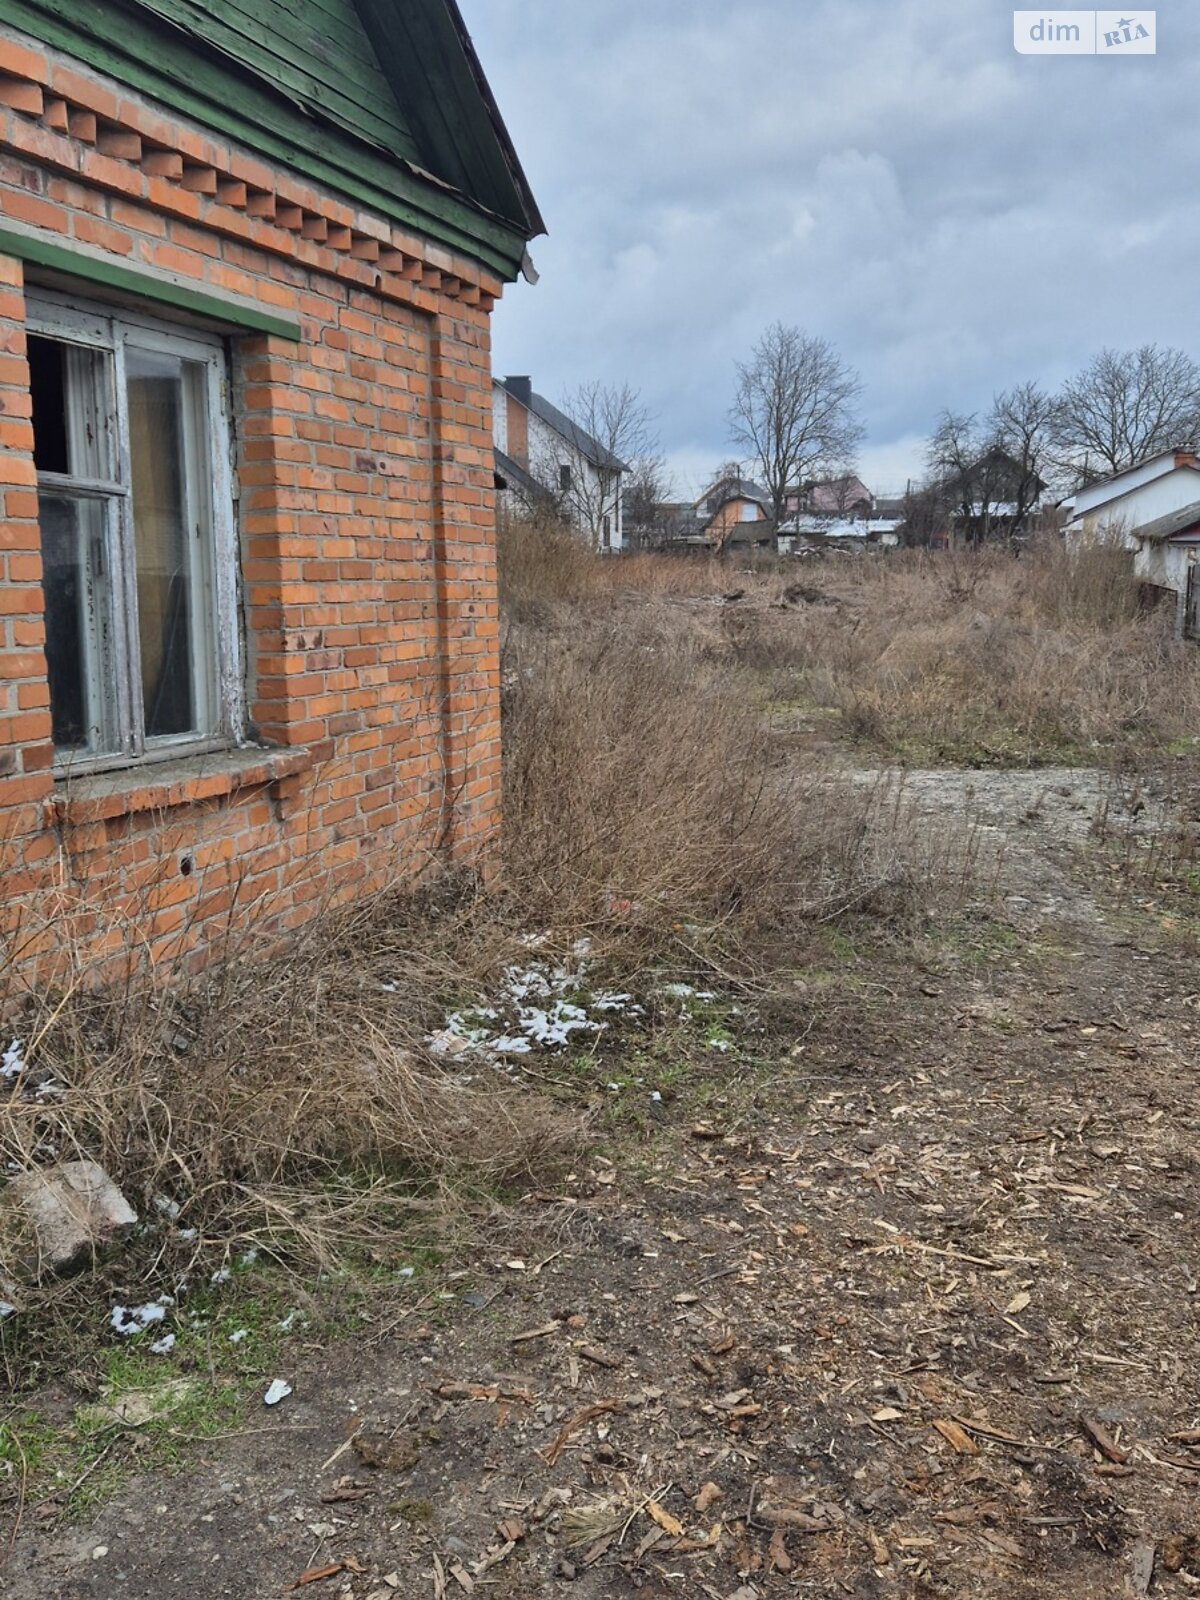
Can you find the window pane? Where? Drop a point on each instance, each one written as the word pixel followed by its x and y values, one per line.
pixel 70 386
pixel 79 623
pixel 169 463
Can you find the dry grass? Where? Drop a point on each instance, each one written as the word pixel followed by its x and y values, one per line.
pixel 292 1104
pixel 644 786
pixel 989 658
pixel 287 1105
pixel 543 567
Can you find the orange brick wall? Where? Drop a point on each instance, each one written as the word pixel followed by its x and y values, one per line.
pixel 367 545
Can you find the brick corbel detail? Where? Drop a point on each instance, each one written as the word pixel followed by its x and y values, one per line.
pixel 78 124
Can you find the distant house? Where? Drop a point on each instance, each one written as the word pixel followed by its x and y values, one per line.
pixel 1129 500
pixel 850 533
pixel 995 497
pixel 838 512
pixel 735 513
pixel 543 457
pixel 846 497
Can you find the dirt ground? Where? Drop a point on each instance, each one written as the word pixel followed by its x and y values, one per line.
pixel 916 1318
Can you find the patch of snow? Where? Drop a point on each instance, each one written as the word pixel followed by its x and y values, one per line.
pixel 167 1207
pixel 242 1333
pixel 277 1390
pixel 504 1046
pixel 686 991
pixel 12 1063
pixel 128 1320
pixel 163 1346
pixel 6 1310
pixel 542 1005
pixel 611 1000
pixel 221 1275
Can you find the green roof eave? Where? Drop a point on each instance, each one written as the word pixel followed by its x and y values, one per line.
pixel 168 65
pixel 426 53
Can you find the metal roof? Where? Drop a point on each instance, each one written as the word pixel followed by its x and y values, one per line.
pixel 1171 525
pixel 511 474
pixel 736 489
pixel 575 436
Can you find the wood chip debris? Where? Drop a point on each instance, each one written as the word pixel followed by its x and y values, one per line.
pixel 1103 1440
pixel 485 1391
pixel 777 1553
pixel 669 1524
pixel 707 1495
pixel 541 1332
pixel 598 1357
pixel 579 1420
pixel 319 1574
pixel 956 1436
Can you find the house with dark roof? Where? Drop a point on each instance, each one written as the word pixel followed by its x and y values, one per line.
pixel 248 257
pixel 543 456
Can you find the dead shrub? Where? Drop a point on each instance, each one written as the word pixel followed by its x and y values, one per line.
pixel 634 774
pixel 1086 582
pixel 287 1105
pixel 646 793
pixel 290 1102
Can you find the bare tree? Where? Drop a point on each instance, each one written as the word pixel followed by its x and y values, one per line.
pixel 795 410
pixel 610 432
pixel 1023 423
pixel 990 471
pixel 1126 406
pixel 958 462
pixel 645 494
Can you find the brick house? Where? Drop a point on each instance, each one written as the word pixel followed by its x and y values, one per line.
pixel 248 632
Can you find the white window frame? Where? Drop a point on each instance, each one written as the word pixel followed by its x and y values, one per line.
pixel 218 691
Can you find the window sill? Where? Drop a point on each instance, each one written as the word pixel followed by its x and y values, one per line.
pixel 95 797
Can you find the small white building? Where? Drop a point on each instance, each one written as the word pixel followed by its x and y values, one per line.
pixel 1120 505
pixel 844 532
pixel 1154 510
pixel 542 456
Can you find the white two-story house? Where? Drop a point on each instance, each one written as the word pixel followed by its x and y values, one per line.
pixel 543 457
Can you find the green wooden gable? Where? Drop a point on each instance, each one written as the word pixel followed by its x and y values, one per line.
pixel 383 101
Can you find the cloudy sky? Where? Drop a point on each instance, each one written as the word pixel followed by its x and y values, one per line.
pixel 890 174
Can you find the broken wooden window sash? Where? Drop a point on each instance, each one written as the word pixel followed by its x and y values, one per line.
pixel 139 544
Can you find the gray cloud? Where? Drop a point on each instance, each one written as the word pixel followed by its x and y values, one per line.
pixel 888 173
